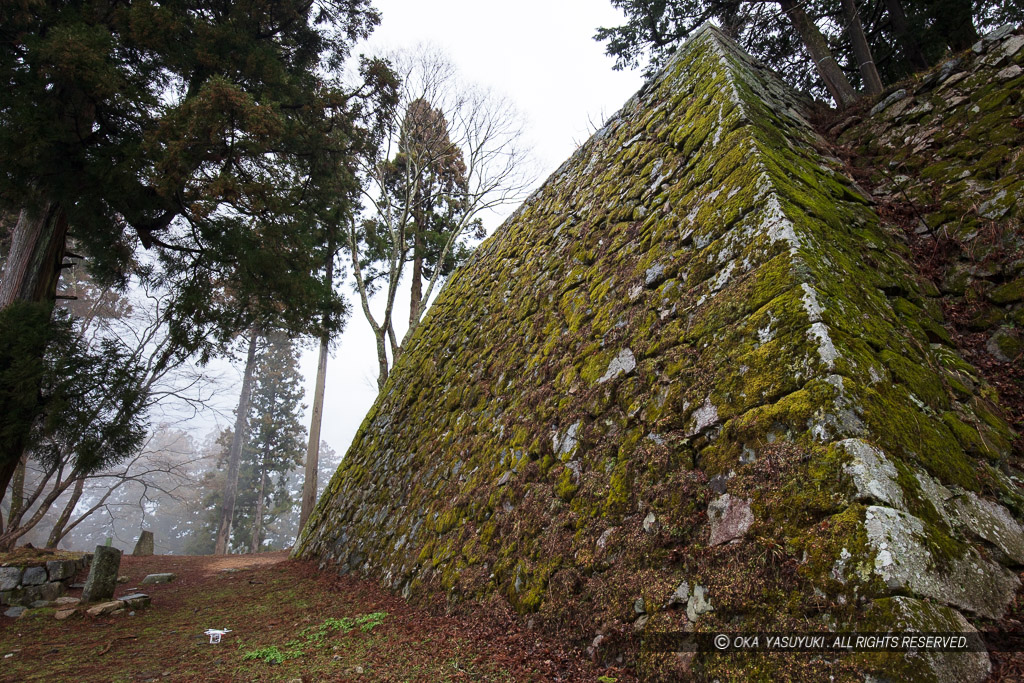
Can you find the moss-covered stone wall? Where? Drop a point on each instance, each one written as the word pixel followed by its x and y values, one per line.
pixel 691 384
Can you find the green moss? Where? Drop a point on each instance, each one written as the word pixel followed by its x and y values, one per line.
pixel 565 488
pixel 787 315
pixel 619 487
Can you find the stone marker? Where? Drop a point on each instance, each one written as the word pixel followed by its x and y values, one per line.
pixel 159 578
pixel 102 574
pixel 144 547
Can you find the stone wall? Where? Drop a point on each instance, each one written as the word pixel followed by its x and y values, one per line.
pixel 693 383
pixel 39 581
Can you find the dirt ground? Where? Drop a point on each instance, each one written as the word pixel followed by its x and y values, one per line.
pixel 288 622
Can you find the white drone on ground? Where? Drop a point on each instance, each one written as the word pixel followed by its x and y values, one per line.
pixel 216 633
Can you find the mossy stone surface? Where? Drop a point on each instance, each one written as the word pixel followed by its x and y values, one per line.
pixel 698 302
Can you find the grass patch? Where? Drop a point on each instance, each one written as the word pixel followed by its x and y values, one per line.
pixel 315 636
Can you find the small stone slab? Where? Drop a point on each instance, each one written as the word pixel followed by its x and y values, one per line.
pixel 166 577
pixel 66 601
pixel 105 608
pixel 136 600
pixel 102 574
pixel 63 614
pixel 14 612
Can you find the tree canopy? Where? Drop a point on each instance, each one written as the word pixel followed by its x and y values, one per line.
pixel 189 142
pixel 902 36
pixel 193 127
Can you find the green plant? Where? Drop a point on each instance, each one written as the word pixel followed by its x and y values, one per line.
pixel 270 655
pixel 315 636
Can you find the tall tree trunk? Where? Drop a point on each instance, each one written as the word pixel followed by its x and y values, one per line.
pixel 30 274
pixel 227 509
pixel 257 522
pixel 382 360
pixel 18 491
pixel 37 251
pixel 416 289
pixel 908 38
pixel 828 68
pixel 309 482
pixel 57 533
pixel 861 49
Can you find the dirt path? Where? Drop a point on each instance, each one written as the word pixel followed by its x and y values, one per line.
pixel 288 622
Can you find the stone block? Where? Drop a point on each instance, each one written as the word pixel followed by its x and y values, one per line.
pixel 33 576
pixel 730 518
pixel 25 595
pixel 59 570
pixel 10 578
pixel 51 591
pixel 144 547
pixel 102 574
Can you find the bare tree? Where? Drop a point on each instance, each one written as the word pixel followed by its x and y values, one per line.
pixel 172 385
pixel 161 470
pixel 454 151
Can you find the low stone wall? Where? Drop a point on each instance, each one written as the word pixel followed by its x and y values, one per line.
pixel 23 585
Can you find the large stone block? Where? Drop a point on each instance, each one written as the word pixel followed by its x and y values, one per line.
pixel 10 578
pixel 60 570
pixel 102 574
pixel 33 576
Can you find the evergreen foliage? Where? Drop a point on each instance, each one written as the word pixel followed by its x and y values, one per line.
pixel 274 448
pixel 200 129
pixel 60 397
pixel 903 36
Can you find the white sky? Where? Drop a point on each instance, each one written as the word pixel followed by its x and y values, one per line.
pixel 542 56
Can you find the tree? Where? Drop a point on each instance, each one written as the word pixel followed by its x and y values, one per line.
pixel 234 456
pixel 130 495
pixel 191 128
pixel 830 44
pixel 255 488
pixel 103 376
pixel 90 412
pixel 275 443
pixel 452 152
